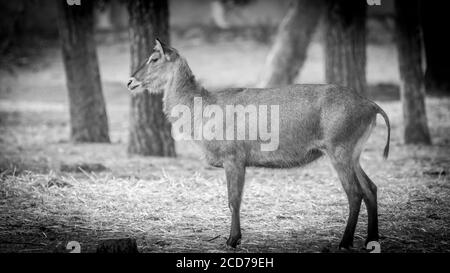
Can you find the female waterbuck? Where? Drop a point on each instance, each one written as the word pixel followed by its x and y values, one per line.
pixel 313 120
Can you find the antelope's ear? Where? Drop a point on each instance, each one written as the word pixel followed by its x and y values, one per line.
pixel 159 46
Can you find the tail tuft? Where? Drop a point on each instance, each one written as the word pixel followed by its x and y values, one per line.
pixel 386 151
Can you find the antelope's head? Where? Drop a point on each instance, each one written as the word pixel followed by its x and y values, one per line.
pixel 156 71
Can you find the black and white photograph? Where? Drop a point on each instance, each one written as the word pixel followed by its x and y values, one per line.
pixel 227 127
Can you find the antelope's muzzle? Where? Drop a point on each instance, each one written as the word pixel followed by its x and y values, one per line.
pixel 133 84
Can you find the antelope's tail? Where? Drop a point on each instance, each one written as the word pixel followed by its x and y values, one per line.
pixel 386 119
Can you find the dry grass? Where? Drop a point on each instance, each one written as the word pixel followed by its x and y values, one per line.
pixel 180 205
pixel 173 205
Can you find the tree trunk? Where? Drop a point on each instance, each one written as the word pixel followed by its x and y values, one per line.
pixel 150 132
pixel 345 44
pixel 437 74
pixel 409 46
pixel 288 53
pixel 119 15
pixel 88 119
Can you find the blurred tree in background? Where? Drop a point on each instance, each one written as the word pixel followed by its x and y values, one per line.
pixel 88 118
pixel 345 44
pixel 288 52
pixel 437 46
pixel 345 52
pixel 412 91
pixel 10 15
pixel 150 132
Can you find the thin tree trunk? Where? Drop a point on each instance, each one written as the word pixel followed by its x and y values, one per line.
pixel 345 44
pixel 88 118
pixel 150 132
pixel 288 53
pixel 437 48
pixel 409 46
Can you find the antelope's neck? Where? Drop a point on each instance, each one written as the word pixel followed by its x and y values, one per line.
pixel 182 89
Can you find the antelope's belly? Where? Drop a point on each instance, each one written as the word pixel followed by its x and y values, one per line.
pixel 253 156
pixel 283 158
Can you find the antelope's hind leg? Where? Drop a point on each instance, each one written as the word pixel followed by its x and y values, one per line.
pixel 343 165
pixel 345 155
pixel 368 188
pixel 369 191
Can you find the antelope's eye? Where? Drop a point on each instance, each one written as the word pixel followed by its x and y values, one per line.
pixel 153 58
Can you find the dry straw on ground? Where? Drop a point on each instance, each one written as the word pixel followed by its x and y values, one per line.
pixel 172 205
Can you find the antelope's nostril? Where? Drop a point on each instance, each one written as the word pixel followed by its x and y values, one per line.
pixel 129 82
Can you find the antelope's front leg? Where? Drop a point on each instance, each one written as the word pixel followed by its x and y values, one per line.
pixel 235 175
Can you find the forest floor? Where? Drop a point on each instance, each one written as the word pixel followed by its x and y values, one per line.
pixel 53 191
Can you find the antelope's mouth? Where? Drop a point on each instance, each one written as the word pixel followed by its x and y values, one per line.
pixel 131 88
pixel 133 84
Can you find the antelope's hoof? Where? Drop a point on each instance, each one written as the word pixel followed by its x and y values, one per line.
pixel 233 241
pixel 345 247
